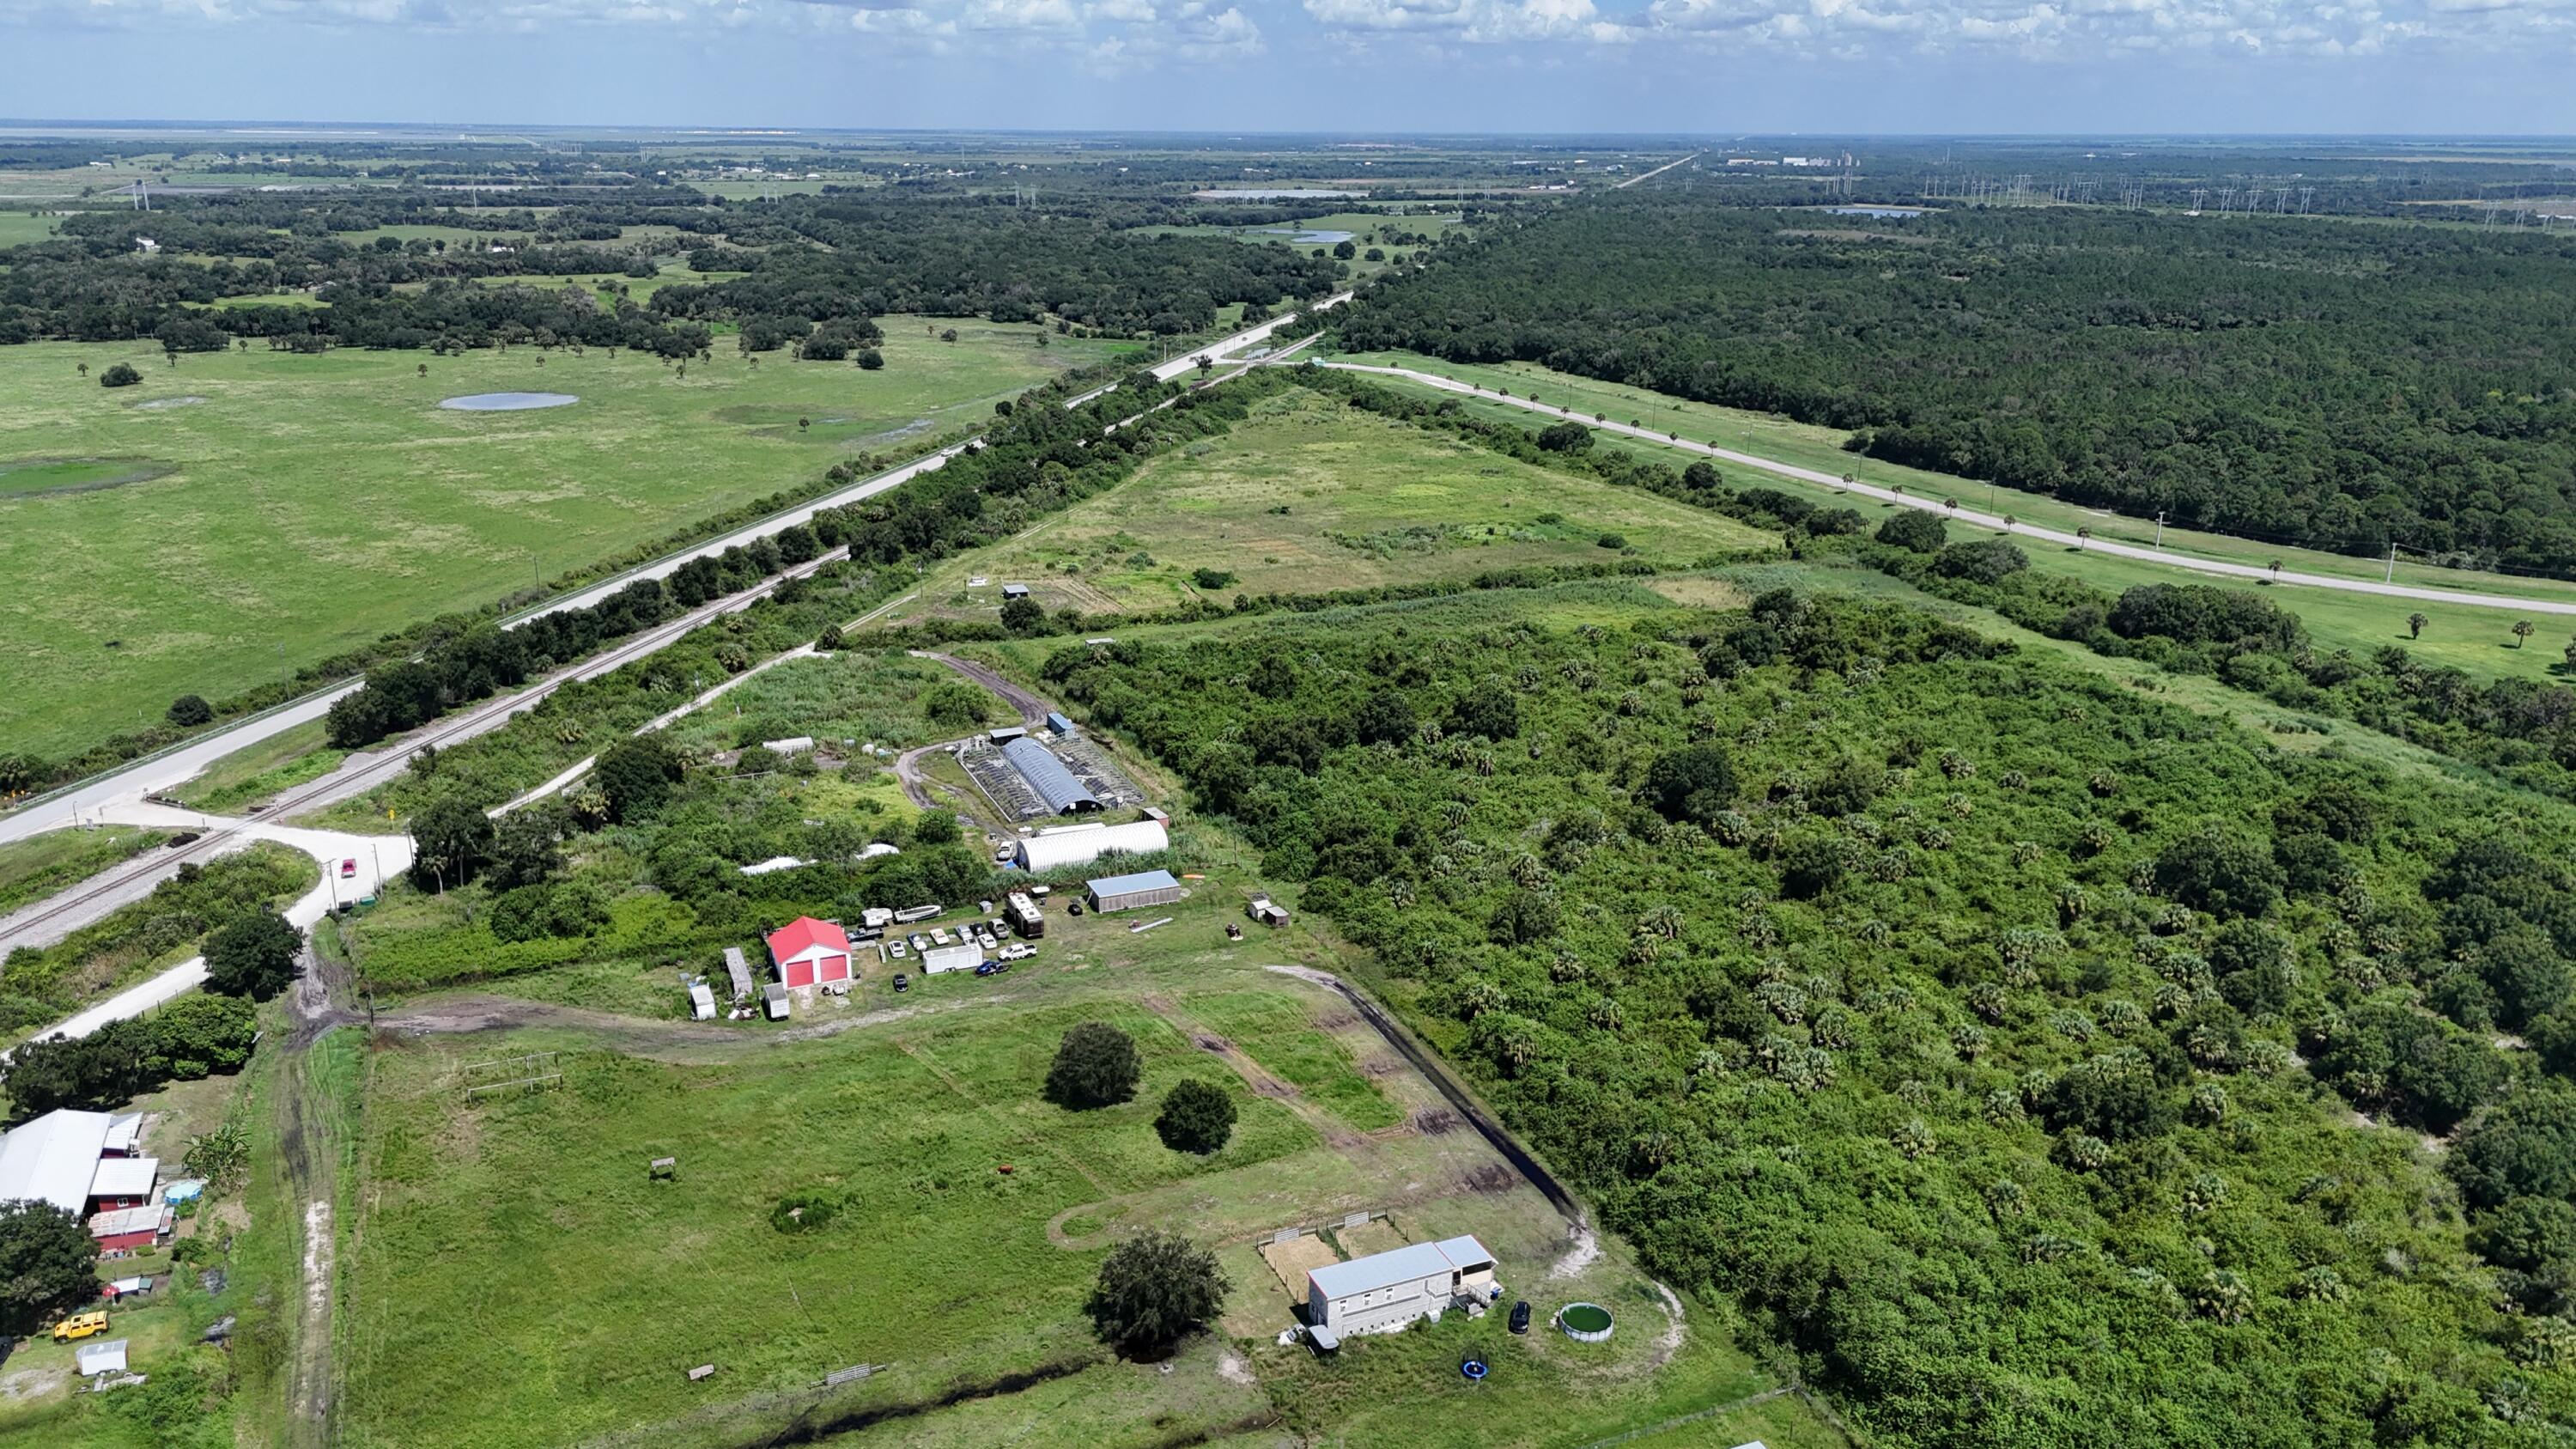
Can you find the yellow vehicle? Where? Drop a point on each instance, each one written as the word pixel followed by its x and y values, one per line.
pixel 80 1325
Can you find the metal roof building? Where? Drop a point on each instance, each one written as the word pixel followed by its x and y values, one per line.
pixel 737 970
pixel 1125 892
pixel 1388 1290
pixel 1081 844
pixel 53 1158
pixel 1047 776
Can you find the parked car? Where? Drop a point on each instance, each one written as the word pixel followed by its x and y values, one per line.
pixel 919 941
pixel 348 867
pixel 80 1325
pixel 988 968
pixel 1521 1316
pixel 895 949
pixel 902 982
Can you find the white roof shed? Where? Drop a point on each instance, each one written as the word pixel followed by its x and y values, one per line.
pixel 101 1358
pixel 125 1177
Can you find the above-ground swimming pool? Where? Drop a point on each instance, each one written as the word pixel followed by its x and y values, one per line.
pixel 1584 1322
pixel 508 402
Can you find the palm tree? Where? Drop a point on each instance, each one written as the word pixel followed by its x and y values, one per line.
pixel 2082 537
pixel 2415 625
pixel 1950 503
pixel 2276 570
pixel 2523 629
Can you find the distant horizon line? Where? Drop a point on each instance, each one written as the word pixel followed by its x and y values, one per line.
pixel 250 128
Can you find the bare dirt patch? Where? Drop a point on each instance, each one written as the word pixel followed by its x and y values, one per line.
pixel 1292 1260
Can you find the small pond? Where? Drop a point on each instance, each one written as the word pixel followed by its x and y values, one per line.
pixel 508 402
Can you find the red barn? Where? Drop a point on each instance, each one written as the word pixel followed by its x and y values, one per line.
pixel 809 952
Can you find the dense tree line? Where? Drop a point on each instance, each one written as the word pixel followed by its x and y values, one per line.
pixel 1945 1006
pixel 2346 387
pixel 864 257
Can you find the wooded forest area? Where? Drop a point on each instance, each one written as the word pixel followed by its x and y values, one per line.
pixel 1944 1005
pixel 2338 385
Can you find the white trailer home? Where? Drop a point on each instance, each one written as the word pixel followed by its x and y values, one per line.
pixel 1388 1290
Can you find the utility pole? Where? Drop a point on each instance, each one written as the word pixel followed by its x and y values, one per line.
pixel 2160 528
pixel 2392 564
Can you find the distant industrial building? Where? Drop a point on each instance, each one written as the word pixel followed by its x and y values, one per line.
pixel 1067 845
pixel 1126 892
pixel 1047 776
pixel 1386 1291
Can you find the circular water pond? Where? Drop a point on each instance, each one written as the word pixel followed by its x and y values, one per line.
pixel 508 402
pixel 1584 1322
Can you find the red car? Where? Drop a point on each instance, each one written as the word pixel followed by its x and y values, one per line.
pixel 348 867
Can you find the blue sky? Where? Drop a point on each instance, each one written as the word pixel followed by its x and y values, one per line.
pixel 1702 66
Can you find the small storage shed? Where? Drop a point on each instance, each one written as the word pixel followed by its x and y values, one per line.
pixel 702 1002
pixel 1265 910
pixel 809 952
pixel 130 1228
pixel 737 972
pixel 773 997
pixel 1126 892
pixel 1056 722
pixel 101 1358
pixel 1015 591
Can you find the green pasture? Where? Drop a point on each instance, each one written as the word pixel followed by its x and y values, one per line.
pixel 1309 495
pixel 2473 637
pixel 17 228
pixel 311 504
pixel 513 1276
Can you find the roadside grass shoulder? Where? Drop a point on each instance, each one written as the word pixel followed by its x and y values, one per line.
pixel 1822 449
pixel 2357 621
pixel 40 865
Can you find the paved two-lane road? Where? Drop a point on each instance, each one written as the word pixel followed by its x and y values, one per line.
pixel 1974 518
